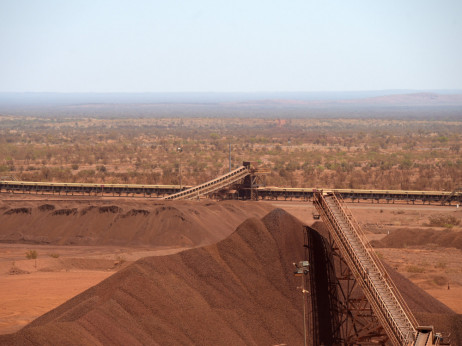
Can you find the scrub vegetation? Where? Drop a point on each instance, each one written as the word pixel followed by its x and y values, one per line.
pixel 379 153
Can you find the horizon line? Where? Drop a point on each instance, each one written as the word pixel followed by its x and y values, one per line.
pixel 233 92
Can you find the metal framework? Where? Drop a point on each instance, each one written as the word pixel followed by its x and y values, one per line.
pixel 252 186
pixel 252 182
pixel 352 321
pixel 366 270
pixel 88 189
pixel 356 195
pixel 455 195
pixel 212 185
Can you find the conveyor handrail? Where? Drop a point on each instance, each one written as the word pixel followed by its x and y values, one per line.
pixel 397 324
pixel 212 185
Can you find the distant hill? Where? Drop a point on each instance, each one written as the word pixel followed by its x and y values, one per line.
pixel 413 99
pixel 306 98
pixel 394 103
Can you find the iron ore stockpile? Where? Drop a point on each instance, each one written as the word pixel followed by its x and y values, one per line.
pixel 421 236
pixel 240 290
pixel 122 223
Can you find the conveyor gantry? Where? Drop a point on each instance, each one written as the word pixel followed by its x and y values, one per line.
pixel 383 296
pixel 212 185
pixel 257 191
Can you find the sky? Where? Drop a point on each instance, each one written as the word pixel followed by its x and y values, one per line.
pixel 229 46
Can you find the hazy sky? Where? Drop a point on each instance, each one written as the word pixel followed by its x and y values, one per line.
pixel 251 45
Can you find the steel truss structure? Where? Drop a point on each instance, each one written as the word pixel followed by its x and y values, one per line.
pixel 380 313
pixel 352 321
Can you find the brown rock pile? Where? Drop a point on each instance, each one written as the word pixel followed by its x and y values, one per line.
pixel 238 291
pixel 421 236
pixel 134 223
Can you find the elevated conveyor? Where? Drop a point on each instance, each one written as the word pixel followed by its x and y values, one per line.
pixel 257 191
pixel 384 298
pixel 212 185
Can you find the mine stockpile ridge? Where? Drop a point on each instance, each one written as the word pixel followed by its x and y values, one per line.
pixel 129 223
pixel 238 291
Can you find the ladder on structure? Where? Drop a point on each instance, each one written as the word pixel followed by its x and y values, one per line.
pixel 383 296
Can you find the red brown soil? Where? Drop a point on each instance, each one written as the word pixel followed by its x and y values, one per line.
pixel 405 237
pixel 123 223
pixel 240 290
pixel 430 257
pixel 25 297
pixel 30 288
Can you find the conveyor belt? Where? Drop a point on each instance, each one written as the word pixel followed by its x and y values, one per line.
pixel 212 185
pixel 386 301
pixel 272 193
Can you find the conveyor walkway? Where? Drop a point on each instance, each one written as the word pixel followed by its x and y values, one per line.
pixel 386 301
pixel 212 185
